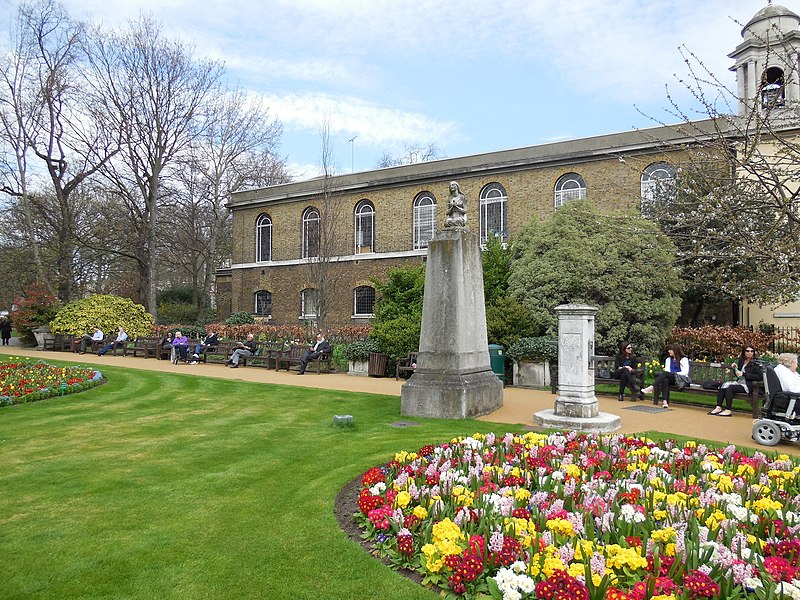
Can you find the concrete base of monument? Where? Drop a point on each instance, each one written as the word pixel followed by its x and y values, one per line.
pixel 600 422
pixel 451 396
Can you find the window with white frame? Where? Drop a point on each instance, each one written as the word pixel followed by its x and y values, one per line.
pixel 363 301
pixel 263 238
pixel 263 304
pixel 493 212
pixel 364 227
pixel 311 222
pixel 308 303
pixel 658 182
pixel 569 187
pixel 424 219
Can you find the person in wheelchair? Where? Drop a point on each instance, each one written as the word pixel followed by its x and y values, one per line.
pixel 786 370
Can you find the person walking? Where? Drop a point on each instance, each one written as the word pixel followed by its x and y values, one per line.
pixel 5 330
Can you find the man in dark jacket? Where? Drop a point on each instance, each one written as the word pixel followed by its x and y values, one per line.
pixel 321 348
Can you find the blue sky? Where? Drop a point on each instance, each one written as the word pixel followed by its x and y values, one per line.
pixel 469 76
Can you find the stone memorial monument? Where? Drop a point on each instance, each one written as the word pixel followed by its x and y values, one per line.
pixel 576 405
pixel 453 378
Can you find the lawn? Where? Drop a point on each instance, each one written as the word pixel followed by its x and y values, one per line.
pixel 166 486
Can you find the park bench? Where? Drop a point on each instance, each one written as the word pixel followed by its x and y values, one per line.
pixel 293 355
pixel 406 365
pixel 142 346
pixel 700 372
pixel 266 355
pixel 217 354
pixel 57 342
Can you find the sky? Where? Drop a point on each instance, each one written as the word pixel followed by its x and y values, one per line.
pixel 470 76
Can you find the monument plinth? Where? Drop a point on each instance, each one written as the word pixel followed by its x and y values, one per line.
pixel 453 378
pixel 576 405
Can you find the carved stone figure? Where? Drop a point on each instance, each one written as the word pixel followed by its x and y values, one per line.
pixel 456 207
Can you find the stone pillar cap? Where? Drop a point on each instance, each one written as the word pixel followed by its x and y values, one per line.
pixel 576 309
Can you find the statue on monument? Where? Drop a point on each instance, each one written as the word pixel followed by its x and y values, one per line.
pixel 456 207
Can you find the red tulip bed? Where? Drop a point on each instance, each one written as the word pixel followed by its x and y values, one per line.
pixel 27 380
pixel 587 517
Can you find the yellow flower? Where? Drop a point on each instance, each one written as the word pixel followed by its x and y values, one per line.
pixel 714 519
pixel 667 534
pixel 764 504
pixel 659 515
pixel 553 564
pixel 522 495
pixel 403 499
pixel 420 512
pixel 560 526
pixel 725 484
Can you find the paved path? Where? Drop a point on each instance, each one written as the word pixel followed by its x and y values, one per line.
pixel 518 408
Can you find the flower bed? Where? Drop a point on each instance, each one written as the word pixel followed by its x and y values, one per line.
pixel 587 517
pixel 27 380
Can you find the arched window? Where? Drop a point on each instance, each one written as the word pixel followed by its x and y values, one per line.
pixel 364 227
pixel 658 182
pixel 424 219
pixel 308 303
pixel 773 90
pixel 263 238
pixel 263 304
pixel 494 212
pixel 569 187
pixel 363 301
pixel 311 233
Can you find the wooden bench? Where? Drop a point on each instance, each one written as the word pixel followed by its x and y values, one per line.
pixel 57 342
pixel 92 346
pixel 699 372
pixel 606 363
pixel 294 354
pixel 217 354
pixel 142 346
pixel 266 355
pixel 406 365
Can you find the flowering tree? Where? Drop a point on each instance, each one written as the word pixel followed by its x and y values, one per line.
pixel 37 306
pixel 734 211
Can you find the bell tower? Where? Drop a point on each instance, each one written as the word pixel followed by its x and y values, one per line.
pixel 766 62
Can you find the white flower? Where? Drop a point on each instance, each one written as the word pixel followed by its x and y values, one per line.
pixel 378 488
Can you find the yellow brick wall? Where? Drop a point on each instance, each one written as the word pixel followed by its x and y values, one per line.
pixel 612 184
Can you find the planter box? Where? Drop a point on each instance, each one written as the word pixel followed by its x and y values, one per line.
pixel 532 373
pixel 41 333
pixel 358 367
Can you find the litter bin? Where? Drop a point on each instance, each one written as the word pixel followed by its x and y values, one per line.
pixel 498 361
pixel 377 364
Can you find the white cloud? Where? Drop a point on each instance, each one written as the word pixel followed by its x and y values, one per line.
pixel 373 124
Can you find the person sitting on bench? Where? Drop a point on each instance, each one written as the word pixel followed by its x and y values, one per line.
pixel 322 346
pixel 245 349
pixel 85 339
pixel 121 338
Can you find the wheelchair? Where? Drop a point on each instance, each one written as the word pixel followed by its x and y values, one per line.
pixel 779 419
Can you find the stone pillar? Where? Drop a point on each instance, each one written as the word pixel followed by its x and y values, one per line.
pixel 576 405
pixel 453 379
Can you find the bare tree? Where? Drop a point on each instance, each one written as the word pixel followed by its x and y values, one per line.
pixel 236 150
pixel 328 241
pixel 412 154
pixel 155 93
pixel 45 110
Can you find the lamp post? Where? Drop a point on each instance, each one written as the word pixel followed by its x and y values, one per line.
pixel 352 153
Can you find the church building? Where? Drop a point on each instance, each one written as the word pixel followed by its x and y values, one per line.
pixel 311 248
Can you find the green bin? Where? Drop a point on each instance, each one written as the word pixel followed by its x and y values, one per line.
pixel 498 361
